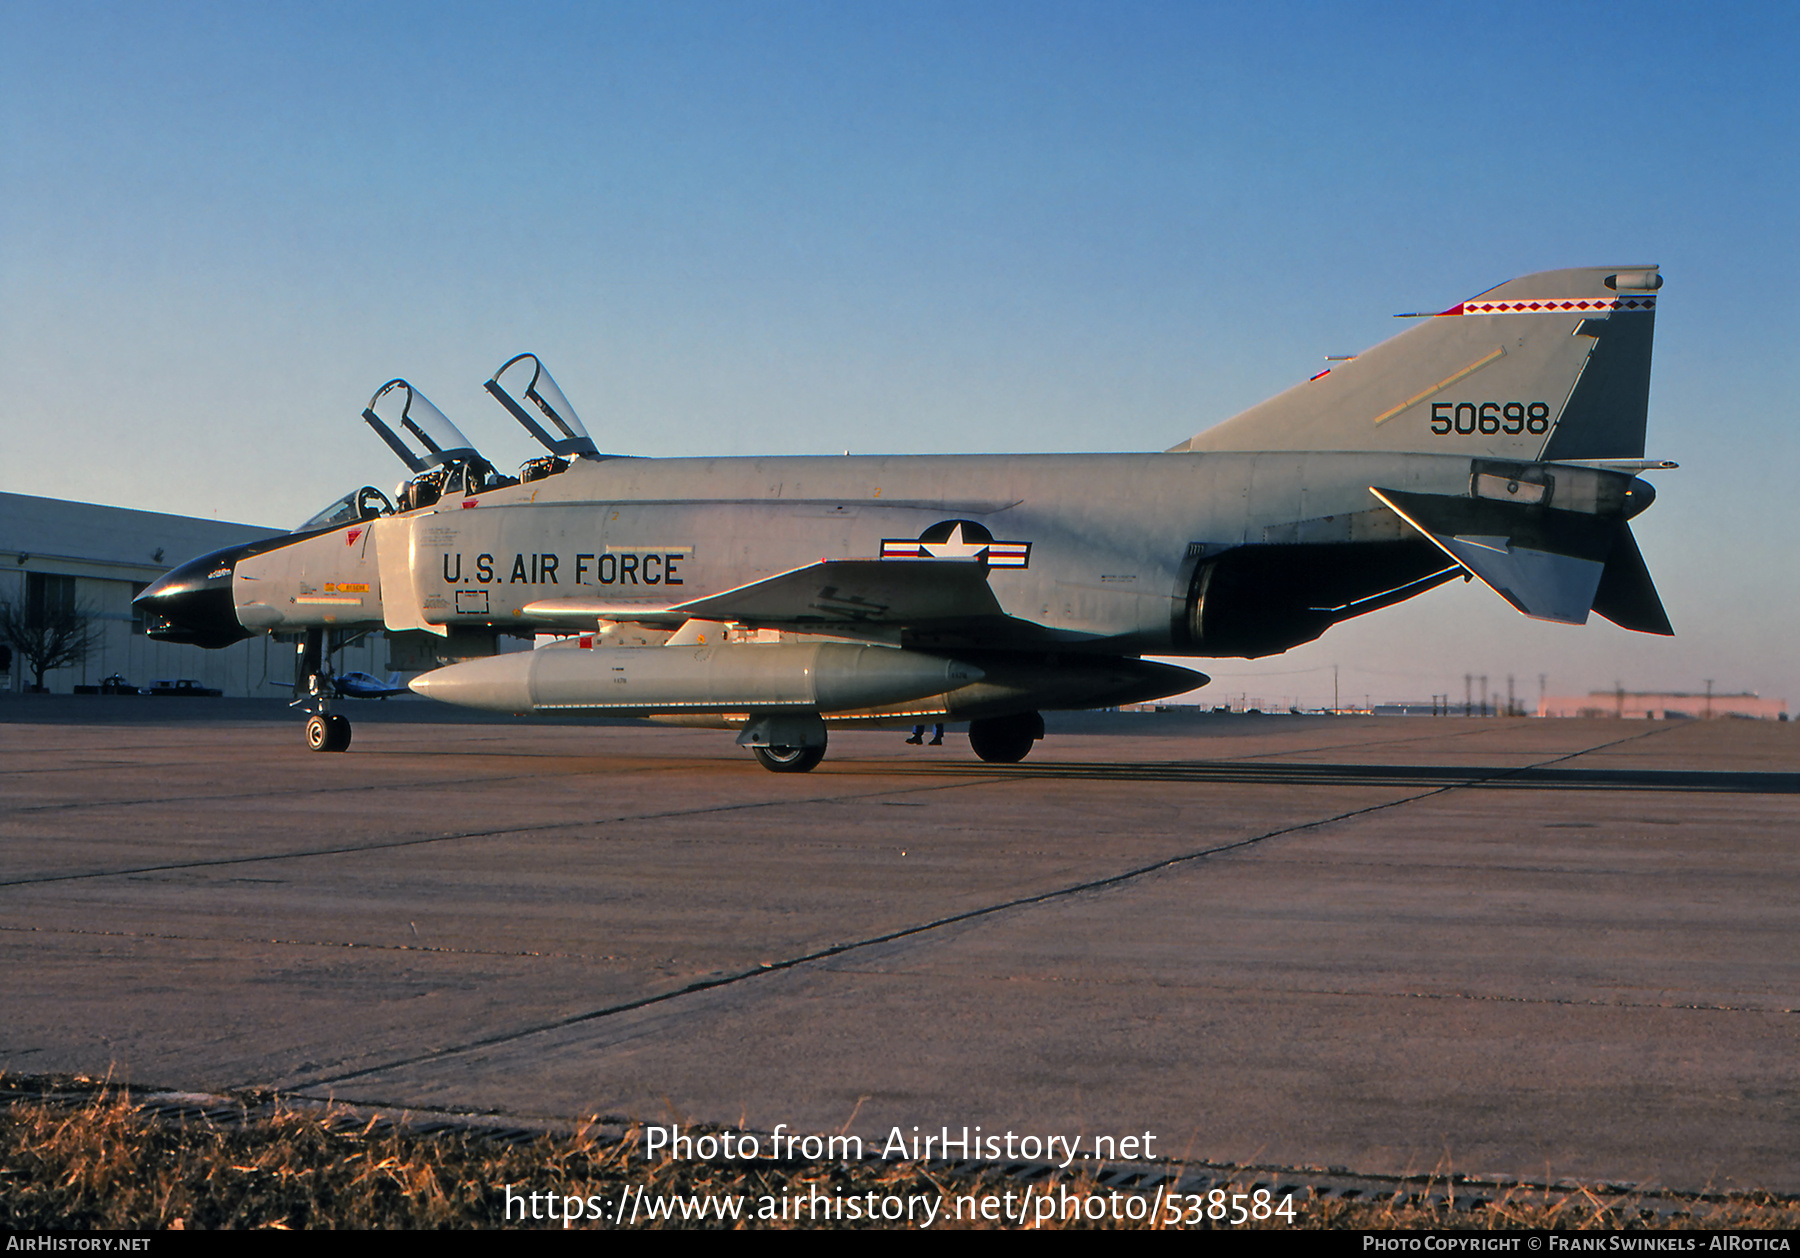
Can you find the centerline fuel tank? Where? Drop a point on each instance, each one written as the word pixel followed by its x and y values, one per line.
pixel 801 676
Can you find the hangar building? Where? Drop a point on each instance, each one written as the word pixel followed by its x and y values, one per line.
pixel 76 554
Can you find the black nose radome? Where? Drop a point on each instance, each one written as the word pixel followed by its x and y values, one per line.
pixel 192 604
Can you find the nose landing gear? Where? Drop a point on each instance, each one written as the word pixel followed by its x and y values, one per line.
pixel 324 731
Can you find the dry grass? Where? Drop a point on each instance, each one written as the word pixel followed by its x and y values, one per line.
pixel 1568 1210
pixel 98 1162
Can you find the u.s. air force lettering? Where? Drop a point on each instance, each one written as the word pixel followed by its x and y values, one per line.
pixel 615 565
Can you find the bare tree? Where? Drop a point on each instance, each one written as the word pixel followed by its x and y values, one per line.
pixel 48 636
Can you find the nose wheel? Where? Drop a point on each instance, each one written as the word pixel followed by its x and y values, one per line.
pixel 325 732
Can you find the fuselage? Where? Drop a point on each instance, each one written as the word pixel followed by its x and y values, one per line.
pixel 1098 550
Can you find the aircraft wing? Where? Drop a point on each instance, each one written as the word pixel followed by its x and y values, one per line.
pixel 929 595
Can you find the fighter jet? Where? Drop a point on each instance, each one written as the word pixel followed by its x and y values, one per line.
pixel 1499 439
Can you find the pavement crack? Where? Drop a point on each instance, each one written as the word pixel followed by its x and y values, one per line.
pixel 332 788
pixel 498 832
pixel 765 968
pixel 313 943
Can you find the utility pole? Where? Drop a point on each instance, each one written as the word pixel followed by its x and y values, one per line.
pixel 1512 705
pixel 1709 682
pixel 1484 695
pixel 1541 711
pixel 1466 680
pixel 1334 690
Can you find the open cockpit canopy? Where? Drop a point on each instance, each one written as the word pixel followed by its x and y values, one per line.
pixel 397 405
pixel 445 462
pixel 544 413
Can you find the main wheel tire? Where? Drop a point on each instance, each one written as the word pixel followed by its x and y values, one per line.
pixel 789 759
pixel 1005 739
pixel 340 733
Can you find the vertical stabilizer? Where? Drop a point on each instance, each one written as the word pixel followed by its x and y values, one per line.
pixel 1553 365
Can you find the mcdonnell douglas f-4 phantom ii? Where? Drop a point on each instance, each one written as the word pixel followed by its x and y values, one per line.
pixel 1498 440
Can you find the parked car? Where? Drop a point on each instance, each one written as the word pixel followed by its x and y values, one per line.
pixel 114 685
pixel 185 688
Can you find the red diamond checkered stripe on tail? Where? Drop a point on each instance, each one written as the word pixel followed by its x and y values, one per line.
pixel 1553 305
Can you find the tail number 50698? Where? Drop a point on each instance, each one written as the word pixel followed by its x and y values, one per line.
pixel 1489 418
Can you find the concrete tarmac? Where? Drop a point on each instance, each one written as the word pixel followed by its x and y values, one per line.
pixel 1521 948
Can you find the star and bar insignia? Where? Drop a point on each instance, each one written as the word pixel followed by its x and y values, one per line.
pixel 961 541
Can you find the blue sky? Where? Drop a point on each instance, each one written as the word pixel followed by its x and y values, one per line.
pixel 790 228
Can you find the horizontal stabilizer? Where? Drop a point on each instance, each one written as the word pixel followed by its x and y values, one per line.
pixel 1546 563
pixel 1538 583
pixel 1627 596
pixel 867 592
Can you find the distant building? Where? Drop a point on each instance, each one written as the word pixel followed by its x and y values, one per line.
pixel 78 554
pixel 1642 705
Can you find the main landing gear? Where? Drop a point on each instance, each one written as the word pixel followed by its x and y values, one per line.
pixel 781 744
pixel 324 731
pixel 1006 739
pixel 789 759
pixel 785 742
